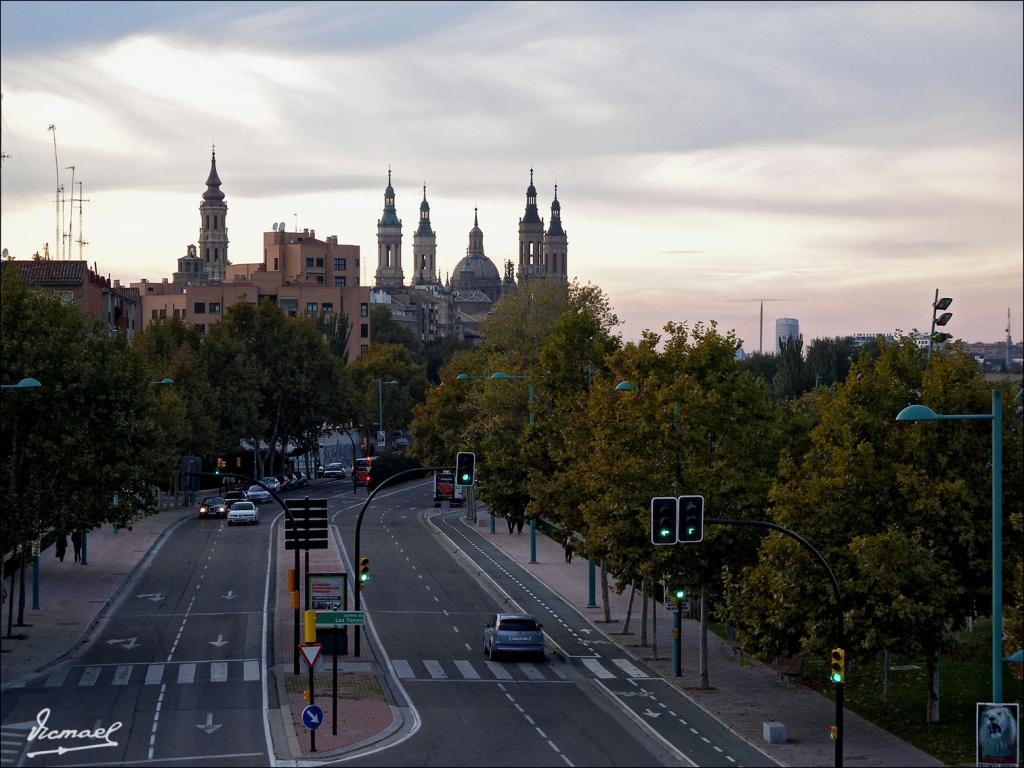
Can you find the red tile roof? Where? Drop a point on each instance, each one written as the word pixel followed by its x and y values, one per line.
pixel 52 272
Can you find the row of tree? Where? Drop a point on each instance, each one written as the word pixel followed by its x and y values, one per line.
pixel 901 511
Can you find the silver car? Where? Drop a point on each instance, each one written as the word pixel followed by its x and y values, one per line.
pixel 513 633
pixel 257 494
pixel 243 512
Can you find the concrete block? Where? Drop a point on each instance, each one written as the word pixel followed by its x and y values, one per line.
pixel 773 732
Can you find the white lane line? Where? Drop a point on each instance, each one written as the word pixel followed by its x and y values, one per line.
pixel 552 745
pixel 455 628
pixel 542 734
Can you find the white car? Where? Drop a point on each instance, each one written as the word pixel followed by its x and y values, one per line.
pixel 335 470
pixel 243 512
pixel 257 494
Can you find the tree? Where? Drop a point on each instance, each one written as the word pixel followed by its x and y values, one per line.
pixel 387 362
pixel 384 329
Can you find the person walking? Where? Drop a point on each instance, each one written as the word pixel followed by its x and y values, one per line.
pixel 568 547
pixel 76 542
pixel 520 522
pixel 61 546
pixel 511 523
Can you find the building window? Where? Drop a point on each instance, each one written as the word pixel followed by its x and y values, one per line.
pixel 320 279
pixel 339 265
pixel 364 330
pixel 339 282
pixel 326 307
pixel 200 308
pixel 163 314
pixel 311 307
pixel 178 313
pixel 155 315
pixel 215 254
pixel 275 265
pixel 290 306
pixel 207 253
pixel 309 263
pixel 214 307
pixel 215 221
pixel 207 221
pixel 364 310
pixel 320 262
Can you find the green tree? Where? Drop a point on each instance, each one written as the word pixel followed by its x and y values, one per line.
pixel 387 362
pixel 384 329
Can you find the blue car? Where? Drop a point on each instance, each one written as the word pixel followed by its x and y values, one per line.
pixel 514 634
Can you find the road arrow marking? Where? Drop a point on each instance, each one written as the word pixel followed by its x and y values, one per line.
pixel 586 630
pixel 156 597
pixel 209 726
pixel 219 642
pixel 230 595
pixel 125 642
pixel 63 750
pixel 649 713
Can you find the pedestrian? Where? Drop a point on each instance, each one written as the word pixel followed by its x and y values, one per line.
pixel 520 522
pixel 61 546
pixel 567 545
pixel 76 542
pixel 511 523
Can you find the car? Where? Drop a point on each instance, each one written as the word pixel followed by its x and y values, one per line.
pixel 232 496
pixel 243 512
pixel 258 495
pixel 335 470
pixel 271 482
pixel 401 443
pixel 300 479
pixel 213 506
pixel 515 634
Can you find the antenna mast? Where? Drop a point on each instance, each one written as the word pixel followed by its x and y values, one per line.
pixel 81 242
pixel 58 224
pixel 71 214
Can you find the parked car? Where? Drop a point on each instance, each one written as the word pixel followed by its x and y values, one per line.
pixel 232 496
pixel 513 633
pixel 335 470
pixel 258 495
pixel 300 479
pixel 401 443
pixel 213 506
pixel 271 482
pixel 243 512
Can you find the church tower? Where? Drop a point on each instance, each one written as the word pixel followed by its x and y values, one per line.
pixel 389 244
pixel 213 230
pixel 556 245
pixel 424 248
pixel 531 237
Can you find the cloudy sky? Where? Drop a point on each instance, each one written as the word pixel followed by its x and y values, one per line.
pixel 842 159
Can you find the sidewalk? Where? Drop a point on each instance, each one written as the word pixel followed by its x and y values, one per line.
pixel 744 695
pixel 72 597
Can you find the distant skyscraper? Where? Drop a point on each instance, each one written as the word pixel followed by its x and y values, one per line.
pixel 786 329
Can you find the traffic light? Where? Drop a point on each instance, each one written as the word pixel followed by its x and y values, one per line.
pixel 465 468
pixel 833 732
pixel 364 571
pixel 691 519
pixel 680 593
pixel 838 675
pixel 221 464
pixel 664 520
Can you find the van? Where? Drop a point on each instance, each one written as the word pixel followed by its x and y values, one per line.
pixel 445 489
pixel 361 471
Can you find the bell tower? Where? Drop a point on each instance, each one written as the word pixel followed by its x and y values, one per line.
pixel 531 237
pixel 424 247
pixel 213 230
pixel 556 245
pixel 389 243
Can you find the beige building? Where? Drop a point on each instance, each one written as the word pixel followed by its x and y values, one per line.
pixel 303 275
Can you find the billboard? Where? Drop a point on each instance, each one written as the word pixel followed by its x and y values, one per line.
pixel 998 737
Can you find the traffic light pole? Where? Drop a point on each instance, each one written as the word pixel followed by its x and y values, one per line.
pixel 839 609
pixel 406 474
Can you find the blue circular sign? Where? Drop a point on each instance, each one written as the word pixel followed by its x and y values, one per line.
pixel 312 717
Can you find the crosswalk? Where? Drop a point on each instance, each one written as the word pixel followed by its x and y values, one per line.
pixel 177 673
pixel 487 670
pixel 13 737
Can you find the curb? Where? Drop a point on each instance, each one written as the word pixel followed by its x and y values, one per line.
pixel 108 605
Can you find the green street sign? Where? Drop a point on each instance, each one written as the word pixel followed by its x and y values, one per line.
pixel 334 618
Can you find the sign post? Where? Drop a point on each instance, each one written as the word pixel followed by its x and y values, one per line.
pixel 311 652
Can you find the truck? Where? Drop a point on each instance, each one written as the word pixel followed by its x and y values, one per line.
pixel 445 489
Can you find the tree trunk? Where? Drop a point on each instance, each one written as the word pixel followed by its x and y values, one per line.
pixel 604 595
pixel 933 689
pixel 704 684
pixel 643 614
pixel 886 673
pixel 629 609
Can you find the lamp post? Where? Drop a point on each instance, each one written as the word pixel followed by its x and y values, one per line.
pixel 924 413
pixel 380 406
pixel 463 376
pixel 939 304
pixel 501 376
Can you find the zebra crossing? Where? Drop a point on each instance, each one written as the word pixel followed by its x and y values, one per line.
pixel 175 673
pixel 487 670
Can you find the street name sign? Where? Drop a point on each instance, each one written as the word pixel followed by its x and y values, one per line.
pixel 337 618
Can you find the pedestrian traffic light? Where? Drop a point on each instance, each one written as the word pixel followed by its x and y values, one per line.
pixel 364 571
pixel 691 519
pixel 465 468
pixel 664 520
pixel 838 675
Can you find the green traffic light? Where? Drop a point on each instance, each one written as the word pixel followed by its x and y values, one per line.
pixel 665 532
pixel 836 677
pixel 680 594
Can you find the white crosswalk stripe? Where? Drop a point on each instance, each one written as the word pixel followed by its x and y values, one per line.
pixel 187 674
pixel 403 670
pixel 628 668
pixel 498 671
pixel 251 670
pixel 219 672
pixel 435 669
pixel 595 666
pixel 123 675
pixel 179 673
pixel 56 680
pixel 154 674
pixel 532 672
pixel 467 670
pixel 90 676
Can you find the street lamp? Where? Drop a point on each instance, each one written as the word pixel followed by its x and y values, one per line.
pixel 939 305
pixel 27 383
pixel 501 376
pixel 924 413
pixel 467 377
pixel 165 382
pixel 380 406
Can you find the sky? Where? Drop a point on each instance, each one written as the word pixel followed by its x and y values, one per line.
pixel 841 161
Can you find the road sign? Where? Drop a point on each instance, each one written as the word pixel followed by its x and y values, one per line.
pixel 671 604
pixel 312 717
pixel 310 652
pixel 337 618
pixel 309 529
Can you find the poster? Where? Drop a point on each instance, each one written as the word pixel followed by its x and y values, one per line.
pixel 326 592
pixel 998 737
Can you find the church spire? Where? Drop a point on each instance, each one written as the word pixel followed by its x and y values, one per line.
pixel 213 180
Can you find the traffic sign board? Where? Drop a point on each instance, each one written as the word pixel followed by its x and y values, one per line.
pixel 312 717
pixel 339 617
pixel 310 652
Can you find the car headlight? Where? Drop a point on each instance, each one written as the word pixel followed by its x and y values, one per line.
pixel 202 510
